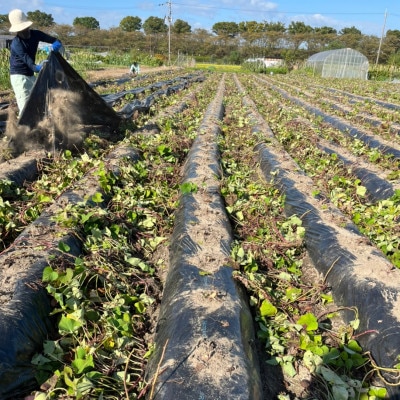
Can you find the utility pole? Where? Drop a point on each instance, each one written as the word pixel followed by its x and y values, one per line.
pixel 380 42
pixel 169 18
pixel 169 31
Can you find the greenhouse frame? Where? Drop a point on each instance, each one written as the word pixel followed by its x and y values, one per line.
pixel 341 63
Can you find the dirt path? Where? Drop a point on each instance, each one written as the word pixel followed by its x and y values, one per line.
pixel 111 73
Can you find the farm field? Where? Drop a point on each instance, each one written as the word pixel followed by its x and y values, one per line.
pixel 237 237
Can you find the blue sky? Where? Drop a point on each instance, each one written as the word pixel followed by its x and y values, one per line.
pixel 368 16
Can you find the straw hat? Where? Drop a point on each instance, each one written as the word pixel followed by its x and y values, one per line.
pixel 19 21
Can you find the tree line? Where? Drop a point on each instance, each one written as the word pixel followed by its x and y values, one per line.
pixel 229 42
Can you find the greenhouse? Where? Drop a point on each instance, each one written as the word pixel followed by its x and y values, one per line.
pixel 342 63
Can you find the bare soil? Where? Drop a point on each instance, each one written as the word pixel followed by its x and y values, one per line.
pixel 115 73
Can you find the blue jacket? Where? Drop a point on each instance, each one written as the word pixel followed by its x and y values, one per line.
pixel 23 52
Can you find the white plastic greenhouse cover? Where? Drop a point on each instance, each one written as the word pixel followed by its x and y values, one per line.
pixel 341 63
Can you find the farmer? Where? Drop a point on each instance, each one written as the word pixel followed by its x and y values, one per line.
pixel 135 69
pixel 23 53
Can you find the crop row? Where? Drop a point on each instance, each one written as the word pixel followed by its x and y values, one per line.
pixel 105 238
pixel 105 298
pixel 334 179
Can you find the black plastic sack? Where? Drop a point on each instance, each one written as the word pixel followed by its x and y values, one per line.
pixel 58 77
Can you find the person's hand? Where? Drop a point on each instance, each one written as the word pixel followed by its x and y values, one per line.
pixel 56 46
pixel 38 67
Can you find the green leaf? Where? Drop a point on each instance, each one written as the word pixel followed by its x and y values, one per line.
pixel 331 376
pixel 67 276
pixel 49 275
pixel 80 353
pixel 355 323
pixel 353 347
pixel 267 309
pixel 140 307
pixel 340 392
pixel 229 209
pixel 326 298
pixel 41 396
pixel 377 392
pixel 155 241
pixel 135 261
pixel 293 293
pixel 40 359
pixel 315 193
pixel 94 375
pixel 289 369
pixel 308 320
pixel 81 365
pixel 86 217
pixel 63 247
pixel 148 222
pixel 68 325
pixel 286 277
pixel 67 373
pixel 361 190
pixel 239 216
pixel 44 199
pixel 97 198
pixel 312 361
pixel 188 187
pixel 92 315
pixel 357 218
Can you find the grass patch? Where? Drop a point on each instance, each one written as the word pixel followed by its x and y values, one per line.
pixel 219 67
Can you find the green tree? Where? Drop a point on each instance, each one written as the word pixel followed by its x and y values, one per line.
pixel 130 24
pixel 234 58
pixel 226 29
pixel 322 39
pixel 275 27
pixel 394 59
pixel 90 23
pixel 350 31
pixel 394 32
pixel 4 23
pixel 251 27
pixel 154 25
pixel 201 42
pixel 40 18
pixel 392 39
pixel 351 37
pixel 299 27
pixel 299 34
pixel 325 30
pixel 64 32
pixel 181 26
pixel 368 46
pixel 253 33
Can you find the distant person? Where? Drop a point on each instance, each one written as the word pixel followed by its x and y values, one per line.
pixel 135 69
pixel 23 54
